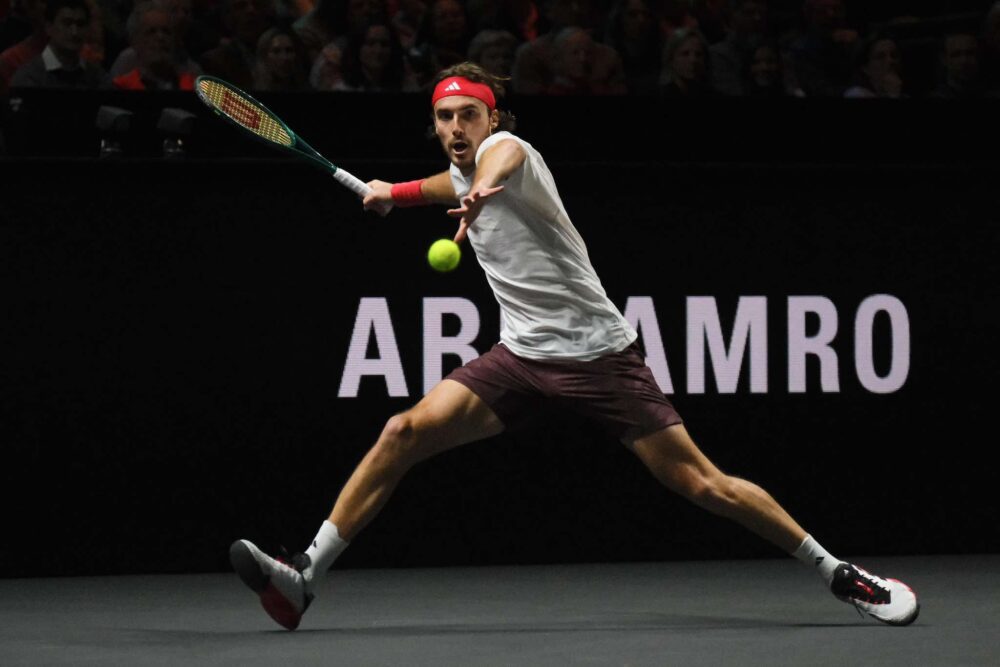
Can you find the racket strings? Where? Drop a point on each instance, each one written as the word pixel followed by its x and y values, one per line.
pixel 244 111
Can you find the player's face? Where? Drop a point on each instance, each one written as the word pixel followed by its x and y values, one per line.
pixel 461 123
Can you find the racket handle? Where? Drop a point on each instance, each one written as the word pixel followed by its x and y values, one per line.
pixel 354 184
pixel 351 182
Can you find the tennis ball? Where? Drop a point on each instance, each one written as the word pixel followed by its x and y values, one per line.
pixel 444 255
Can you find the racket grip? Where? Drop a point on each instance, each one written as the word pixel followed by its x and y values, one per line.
pixel 351 182
pixel 354 184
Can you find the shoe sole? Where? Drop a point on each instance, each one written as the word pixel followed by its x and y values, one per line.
pixel 906 621
pixel 246 566
pixel 274 603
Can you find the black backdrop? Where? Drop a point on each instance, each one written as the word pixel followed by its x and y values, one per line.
pixel 174 337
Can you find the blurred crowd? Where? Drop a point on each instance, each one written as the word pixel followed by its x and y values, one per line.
pixel 665 48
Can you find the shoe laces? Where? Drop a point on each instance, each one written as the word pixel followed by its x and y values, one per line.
pixel 857 608
pixel 877 581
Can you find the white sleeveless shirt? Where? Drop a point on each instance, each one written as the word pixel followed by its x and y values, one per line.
pixel 552 304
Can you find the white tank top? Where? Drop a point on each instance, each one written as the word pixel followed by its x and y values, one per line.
pixel 552 304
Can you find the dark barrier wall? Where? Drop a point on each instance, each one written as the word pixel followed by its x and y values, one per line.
pixel 175 338
pixel 388 127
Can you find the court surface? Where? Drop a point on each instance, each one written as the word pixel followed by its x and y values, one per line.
pixel 763 612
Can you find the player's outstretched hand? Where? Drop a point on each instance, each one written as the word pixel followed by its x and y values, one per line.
pixel 469 209
pixel 379 199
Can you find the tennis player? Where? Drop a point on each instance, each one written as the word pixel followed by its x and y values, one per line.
pixel 561 340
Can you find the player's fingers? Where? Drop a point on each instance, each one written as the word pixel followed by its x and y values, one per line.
pixel 463 228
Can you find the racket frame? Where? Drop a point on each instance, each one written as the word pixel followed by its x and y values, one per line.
pixel 299 146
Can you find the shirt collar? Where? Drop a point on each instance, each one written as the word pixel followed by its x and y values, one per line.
pixel 52 63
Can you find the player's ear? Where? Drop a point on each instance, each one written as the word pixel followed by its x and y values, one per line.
pixel 494 120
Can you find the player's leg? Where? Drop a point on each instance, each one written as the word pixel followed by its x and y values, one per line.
pixel 448 416
pixel 674 459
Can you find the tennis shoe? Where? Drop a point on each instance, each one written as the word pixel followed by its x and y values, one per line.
pixel 887 600
pixel 282 589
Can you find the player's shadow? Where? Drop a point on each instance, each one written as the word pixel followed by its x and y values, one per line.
pixel 647 622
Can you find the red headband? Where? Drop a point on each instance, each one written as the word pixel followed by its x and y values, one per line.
pixel 459 85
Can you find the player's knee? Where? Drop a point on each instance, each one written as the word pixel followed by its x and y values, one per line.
pixel 398 440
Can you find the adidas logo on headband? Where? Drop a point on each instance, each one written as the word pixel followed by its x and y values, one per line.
pixel 457 85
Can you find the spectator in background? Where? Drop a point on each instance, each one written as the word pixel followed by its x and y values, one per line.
pixel 710 17
pixel 746 28
pixel 94 49
pixel 180 10
pixel 327 71
pixel 282 63
pixel 407 21
pixel 15 57
pixel 573 61
pixel 675 15
pixel 151 31
pixel 533 74
pixel 518 17
pixel 59 65
pixel 960 62
pixel 373 62
pixel 322 24
pixel 879 70
pixel 787 60
pixel 764 74
pixel 494 51
pixel 821 57
pixel 634 34
pixel 235 58
pixel 337 21
pixel 685 66
pixel 444 33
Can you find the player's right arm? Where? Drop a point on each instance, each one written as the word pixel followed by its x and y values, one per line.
pixel 436 189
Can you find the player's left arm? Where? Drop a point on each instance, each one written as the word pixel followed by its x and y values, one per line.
pixel 496 165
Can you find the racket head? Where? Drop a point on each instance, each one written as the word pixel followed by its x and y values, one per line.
pixel 245 112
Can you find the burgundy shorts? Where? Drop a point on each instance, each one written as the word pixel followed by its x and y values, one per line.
pixel 617 390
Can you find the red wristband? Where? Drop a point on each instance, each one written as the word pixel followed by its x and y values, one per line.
pixel 408 194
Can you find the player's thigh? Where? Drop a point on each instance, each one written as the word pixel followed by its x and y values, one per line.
pixel 451 415
pixel 675 460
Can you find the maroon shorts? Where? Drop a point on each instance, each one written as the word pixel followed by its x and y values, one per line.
pixel 617 390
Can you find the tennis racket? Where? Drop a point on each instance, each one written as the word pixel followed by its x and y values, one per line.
pixel 250 115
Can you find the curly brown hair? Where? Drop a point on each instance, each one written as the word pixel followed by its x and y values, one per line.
pixel 476 74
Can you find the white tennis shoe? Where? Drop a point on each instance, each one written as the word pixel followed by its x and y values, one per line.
pixel 281 587
pixel 887 600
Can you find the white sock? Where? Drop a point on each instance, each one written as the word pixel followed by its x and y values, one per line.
pixel 813 555
pixel 325 548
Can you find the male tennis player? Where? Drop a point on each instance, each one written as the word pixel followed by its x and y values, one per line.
pixel 561 340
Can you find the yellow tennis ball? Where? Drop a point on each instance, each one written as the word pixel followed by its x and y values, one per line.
pixel 444 255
